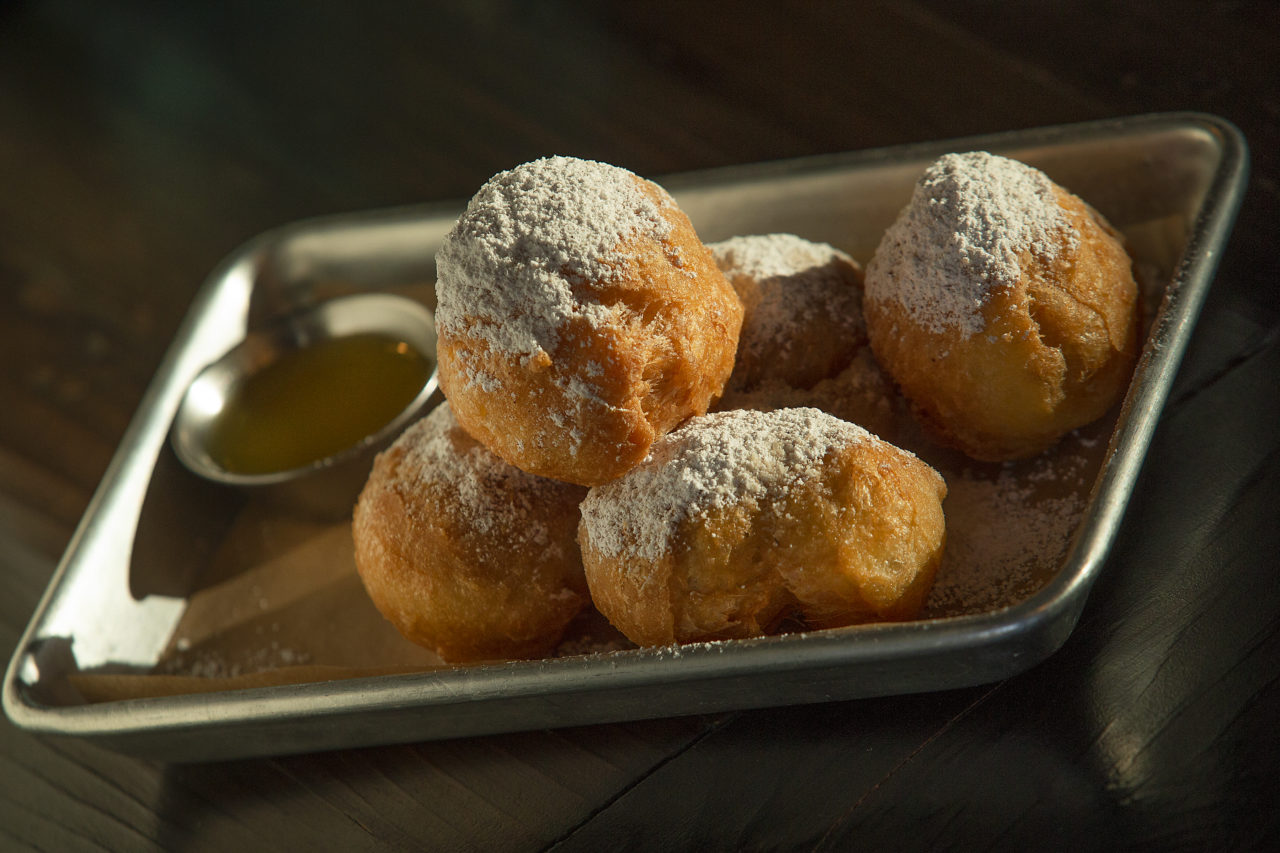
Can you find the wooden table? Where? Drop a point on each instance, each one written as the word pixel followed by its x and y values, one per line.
pixel 140 143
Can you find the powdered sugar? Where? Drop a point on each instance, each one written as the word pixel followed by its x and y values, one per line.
pixel 735 457
pixel 970 217
pixel 496 498
pixel 1008 529
pixel 521 260
pixel 214 663
pixel 786 283
pixel 768 256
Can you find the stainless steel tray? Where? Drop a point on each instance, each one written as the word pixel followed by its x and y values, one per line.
pixel 99 613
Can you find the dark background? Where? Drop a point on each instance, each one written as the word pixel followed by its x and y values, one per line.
pixel 140 143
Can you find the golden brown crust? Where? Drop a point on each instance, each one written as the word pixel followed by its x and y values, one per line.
pixel 804 338
pixel 587 410
pixel 854 536
pixel 802 304
pixel 465 554
pixel 1055 351
pixel 861 393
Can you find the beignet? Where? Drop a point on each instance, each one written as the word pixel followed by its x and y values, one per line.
pixel 464 553
pixel 741 519
pixel 1004 307
pixel 579 318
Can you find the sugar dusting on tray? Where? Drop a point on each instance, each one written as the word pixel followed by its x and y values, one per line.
pixel 1008 528
pixel 216 664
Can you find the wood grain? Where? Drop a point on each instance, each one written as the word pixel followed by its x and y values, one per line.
pixel 140 143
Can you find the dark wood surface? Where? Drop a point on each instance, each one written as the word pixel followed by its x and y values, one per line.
pixel 142 142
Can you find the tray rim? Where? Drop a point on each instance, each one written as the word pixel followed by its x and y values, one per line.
pixel 1049 615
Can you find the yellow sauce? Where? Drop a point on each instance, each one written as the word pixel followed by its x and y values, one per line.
pixel 316 401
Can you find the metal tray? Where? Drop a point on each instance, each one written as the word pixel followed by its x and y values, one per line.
pixel 98 613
